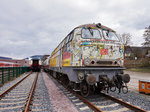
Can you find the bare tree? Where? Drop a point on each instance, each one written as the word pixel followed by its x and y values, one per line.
pixel 146 36
pixel 125 38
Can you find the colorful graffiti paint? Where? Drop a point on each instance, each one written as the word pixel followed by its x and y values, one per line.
pixel 74 52
pixel 66 59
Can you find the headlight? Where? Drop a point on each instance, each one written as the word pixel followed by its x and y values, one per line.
pixel 93 61
pixel 80 75
pixel 90 79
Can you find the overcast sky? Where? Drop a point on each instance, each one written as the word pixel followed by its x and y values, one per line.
pixel 30 27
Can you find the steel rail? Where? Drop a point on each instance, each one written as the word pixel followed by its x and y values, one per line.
pixel 13 86
pixel 96 109
pixel 31 94
pixel 92 106
pixel 130 106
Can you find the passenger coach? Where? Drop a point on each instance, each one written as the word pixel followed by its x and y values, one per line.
pixel 90 58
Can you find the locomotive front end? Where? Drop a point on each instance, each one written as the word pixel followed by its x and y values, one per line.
pixel 101 50
pixel 102 56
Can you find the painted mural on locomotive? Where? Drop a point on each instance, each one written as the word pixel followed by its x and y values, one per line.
pixel 87 47
pixel 90 58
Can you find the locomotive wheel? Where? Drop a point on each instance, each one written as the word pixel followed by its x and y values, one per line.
pixel 84 89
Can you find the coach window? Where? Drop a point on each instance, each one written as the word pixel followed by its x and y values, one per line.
pixel 91 33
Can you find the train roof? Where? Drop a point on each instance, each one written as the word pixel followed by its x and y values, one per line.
pixel 5 62
pixel 98 25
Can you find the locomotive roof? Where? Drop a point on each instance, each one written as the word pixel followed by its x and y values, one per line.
pixel 87 26
pixel 95 26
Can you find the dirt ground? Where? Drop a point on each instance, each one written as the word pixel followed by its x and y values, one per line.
pixel 135 77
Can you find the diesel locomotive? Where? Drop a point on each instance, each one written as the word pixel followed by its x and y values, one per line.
pixel 90 59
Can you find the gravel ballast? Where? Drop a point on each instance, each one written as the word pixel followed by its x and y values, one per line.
pixel 9 84
pixel 133 96
pixel 53 99
pixel 41 96
pixel 59 101
pixel 15 100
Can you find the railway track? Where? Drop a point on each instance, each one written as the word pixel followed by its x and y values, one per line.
pixel 18 97
pixel 125 104
pixel 99 102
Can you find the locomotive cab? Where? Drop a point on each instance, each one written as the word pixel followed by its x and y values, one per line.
pixel 98 47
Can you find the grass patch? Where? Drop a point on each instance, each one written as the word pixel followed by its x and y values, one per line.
pixel 144 70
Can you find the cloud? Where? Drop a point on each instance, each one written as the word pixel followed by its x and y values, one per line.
pixel 29 27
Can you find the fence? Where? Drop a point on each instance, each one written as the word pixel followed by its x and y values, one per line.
pixel 9 73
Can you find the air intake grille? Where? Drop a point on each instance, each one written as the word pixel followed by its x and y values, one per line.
pixel 104 62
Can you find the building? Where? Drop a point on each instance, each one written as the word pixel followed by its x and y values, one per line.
pixel 138 52
pixel 16 61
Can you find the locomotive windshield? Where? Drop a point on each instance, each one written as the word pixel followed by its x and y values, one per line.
pixel 91 33
pixel 109 35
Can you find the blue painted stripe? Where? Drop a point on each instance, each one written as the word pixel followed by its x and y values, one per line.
pixel 85 43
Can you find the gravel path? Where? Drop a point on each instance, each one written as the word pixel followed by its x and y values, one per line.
pixel 59 101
